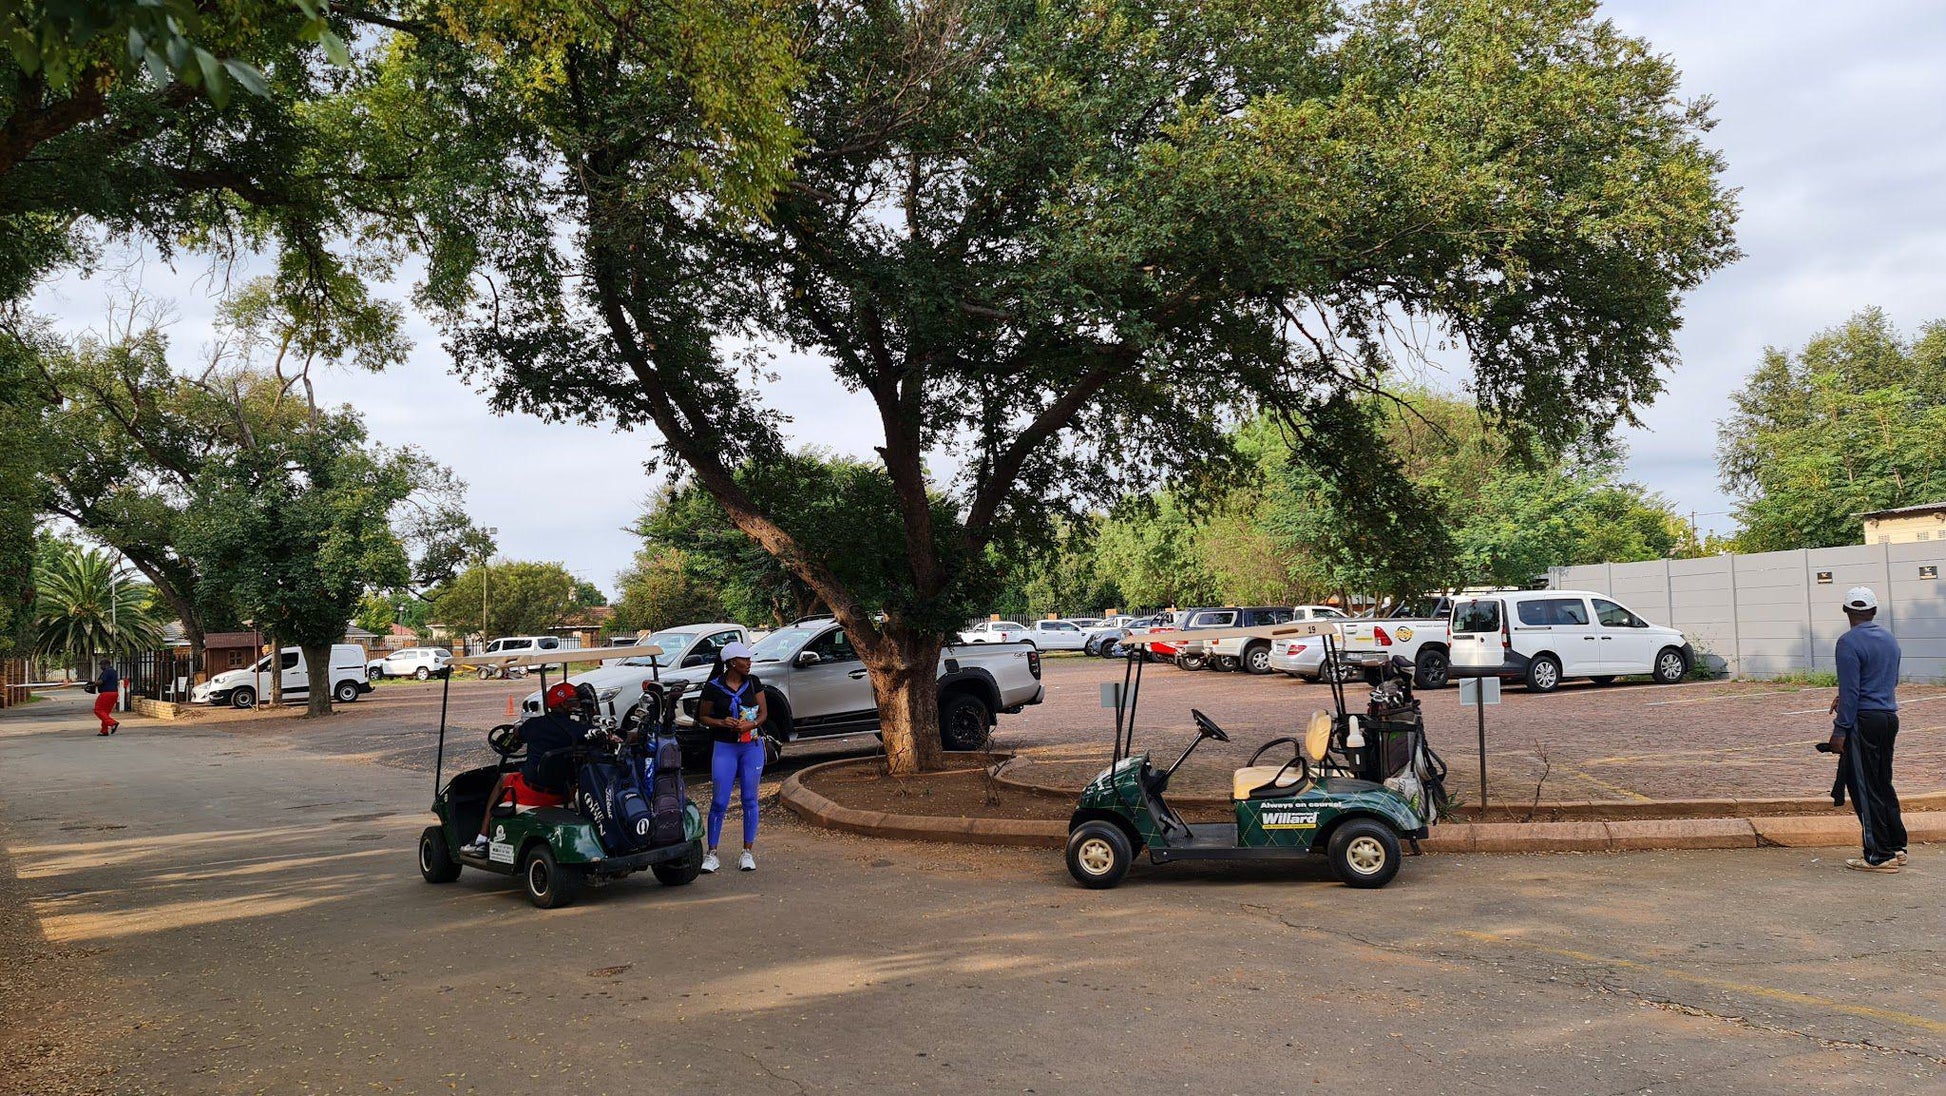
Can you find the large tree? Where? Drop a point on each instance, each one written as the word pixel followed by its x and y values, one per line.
pixel 514 597
pixel 1061 244
pixel 1853 422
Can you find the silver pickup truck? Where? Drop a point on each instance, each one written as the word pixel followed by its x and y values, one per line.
pixel 817 688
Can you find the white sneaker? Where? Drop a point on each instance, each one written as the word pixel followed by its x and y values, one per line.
pixel 747 862
pixel 1900 858
pixel 478 847
pixel 710 864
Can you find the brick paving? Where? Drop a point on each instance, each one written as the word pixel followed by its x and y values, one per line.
pixel 1626 741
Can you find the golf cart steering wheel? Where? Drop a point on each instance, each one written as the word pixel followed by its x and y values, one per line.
pixel 1208 726
pixel 505 740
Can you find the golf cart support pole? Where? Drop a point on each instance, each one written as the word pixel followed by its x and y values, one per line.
pixel 439 758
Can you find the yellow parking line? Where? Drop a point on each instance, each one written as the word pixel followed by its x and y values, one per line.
pixel 1788 996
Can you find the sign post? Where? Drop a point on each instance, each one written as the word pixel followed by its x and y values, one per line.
pixel 1478 692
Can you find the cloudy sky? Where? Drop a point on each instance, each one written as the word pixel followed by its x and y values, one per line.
pixel 1832 117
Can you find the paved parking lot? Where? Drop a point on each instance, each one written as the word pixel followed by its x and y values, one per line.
pixel 1696 740
pixel 1626 741
pixel 186 910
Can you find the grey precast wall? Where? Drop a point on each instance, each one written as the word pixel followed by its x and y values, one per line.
pixel 1778 612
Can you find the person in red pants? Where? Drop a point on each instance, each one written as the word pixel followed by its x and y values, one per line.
pixel 108 689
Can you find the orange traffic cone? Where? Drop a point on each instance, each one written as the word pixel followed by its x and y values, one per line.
pixel 510 704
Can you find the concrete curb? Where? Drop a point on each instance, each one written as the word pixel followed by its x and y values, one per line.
pixel 1653 810
pixel 1628 835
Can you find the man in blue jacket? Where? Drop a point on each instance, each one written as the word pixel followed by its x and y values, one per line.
pixel 1865 724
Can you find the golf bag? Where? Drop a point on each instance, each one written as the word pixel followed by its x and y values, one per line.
pixel 1392 747
pixel 611 797
pixel 667 797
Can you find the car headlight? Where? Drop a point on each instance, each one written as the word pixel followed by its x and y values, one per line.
pixel 607 695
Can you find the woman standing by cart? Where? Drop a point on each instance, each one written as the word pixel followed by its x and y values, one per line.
pixel 733 708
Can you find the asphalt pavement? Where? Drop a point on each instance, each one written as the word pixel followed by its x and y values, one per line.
pixel 189 909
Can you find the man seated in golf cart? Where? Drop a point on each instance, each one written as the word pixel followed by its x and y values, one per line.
pixel 545 778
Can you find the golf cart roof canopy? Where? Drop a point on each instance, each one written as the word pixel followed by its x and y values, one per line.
pixel 564 655
pixel 1297 629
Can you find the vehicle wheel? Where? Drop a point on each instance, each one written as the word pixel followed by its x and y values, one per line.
pixel 1605 679
pixel 1098 855
pixel 550 885
pixel 346 692
pixel 1257 658
pixel 1191 662
pixel 1364 853
pixel 245 697
pixel 1543 674
pixel 375 674
pixel 436 861
pixel 1109 648
pixel 422 673
pixel 677 873
pixel 1670 666
pixel 1431 670
pixel 964 722
pixel 1092 645
pixel 485 674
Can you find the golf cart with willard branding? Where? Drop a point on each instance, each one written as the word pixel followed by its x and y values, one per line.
pixel 1352 788
pixel 627 810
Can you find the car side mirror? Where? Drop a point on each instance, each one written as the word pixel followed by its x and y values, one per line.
pixel 806 658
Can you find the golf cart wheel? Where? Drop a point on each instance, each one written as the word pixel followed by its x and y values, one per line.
pixel 1543 674
pixel 549 885
pixel 422 673
pixel 1191 662
pixel 1098 855
pixel 964 722
pixel 678 873
pixel 436 861
pixel 346 692
pixel 245 697
pixel 1431 670
pixel 1257 658
pixel 1364 853
pixel 1670 666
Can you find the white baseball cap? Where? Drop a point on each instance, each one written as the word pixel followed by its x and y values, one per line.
pixel 742 650
pixel 1860 598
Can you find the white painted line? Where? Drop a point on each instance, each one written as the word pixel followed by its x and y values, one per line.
pixel 1735 696
pixel 1903 704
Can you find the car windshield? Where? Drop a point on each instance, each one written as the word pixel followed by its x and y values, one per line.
pixel 778 645
pixel 672 644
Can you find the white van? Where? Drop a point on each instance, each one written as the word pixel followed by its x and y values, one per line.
pixel 1544 637
pixel 243 688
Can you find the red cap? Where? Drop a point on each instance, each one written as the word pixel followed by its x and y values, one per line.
pixel 560 695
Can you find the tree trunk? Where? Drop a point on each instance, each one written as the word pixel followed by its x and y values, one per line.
pixel 905 678
pixel 276 657
pixel 317 666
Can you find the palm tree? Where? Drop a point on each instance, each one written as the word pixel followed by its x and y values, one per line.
pixel 86 604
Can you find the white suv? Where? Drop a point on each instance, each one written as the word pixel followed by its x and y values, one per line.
pixel 1544 637
pixel 419 662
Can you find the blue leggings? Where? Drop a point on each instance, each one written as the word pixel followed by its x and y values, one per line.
pixel 742 764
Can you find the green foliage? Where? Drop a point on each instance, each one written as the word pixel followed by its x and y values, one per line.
pixel 297 527
pixel 1063 576
pixel 663 589
pixel 1852 423
pixel 23 457
pixel 87 604
pixel 70 42
pixel 588 596
pixel 519 598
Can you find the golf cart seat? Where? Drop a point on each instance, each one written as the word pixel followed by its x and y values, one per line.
pixel 1271 781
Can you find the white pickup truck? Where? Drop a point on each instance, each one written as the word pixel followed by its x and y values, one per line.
pixel 1418 631
pixel 996 631
pixel 818 688
pixel 618 684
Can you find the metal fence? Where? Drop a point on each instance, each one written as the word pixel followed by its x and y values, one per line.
pixel 167 674
pixel 1773 613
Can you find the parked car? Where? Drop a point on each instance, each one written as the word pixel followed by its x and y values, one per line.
pixel 243 688
pixel 419 662
pixel 817 688
pixel 1110 645
pixel 995 631
pixel 1057 635
pixel 1416 631
pixel 516 645
pixel 1304 657
pixel 1231 654
pixel 1083 623
pixel 618 683
pixel 1544 637
pixel 1101 629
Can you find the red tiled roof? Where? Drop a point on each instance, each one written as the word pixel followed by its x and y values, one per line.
pixel 402 630
pixel 220 640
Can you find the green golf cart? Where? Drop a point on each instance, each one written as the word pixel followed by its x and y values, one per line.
pixel 557 851
pixel 1354 788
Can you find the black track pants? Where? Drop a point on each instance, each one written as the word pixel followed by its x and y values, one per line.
pixel 1869 749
